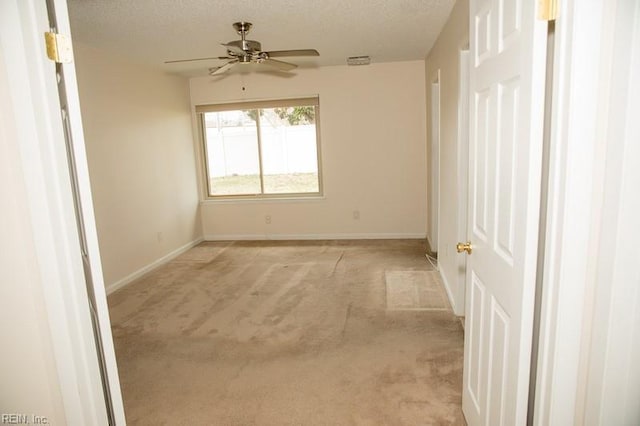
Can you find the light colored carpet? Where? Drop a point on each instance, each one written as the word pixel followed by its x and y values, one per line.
pixel 290 333
pixel 415 290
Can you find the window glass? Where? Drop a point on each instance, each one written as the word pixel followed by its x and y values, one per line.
pixel 233 164
pixel 262 151
pixel 289 153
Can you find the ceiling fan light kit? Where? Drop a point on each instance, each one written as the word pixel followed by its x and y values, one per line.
pixel 245 51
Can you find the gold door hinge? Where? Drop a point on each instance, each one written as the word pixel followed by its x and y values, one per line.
pixel 58 47
pixel 548 10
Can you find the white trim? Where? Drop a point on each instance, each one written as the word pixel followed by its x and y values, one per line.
pixel 575 170
pixel 87 215
pixel 263 199
pixel 245 104
pixel 51 208
pixel 447 287
pixel 462 175
pixel 434 168
pixel 201 110
pixel 153 265
pixel 265 237
pixel 431 248
pixel 613 373
pixel 198 149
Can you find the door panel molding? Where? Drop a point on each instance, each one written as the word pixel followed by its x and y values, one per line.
pixel 507 82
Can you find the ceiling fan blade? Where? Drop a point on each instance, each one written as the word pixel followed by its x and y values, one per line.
pixel 197 59
pixel 282 66
pixel 298 52
pixel 224 68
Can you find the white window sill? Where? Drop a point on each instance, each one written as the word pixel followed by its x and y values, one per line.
pixel 243 200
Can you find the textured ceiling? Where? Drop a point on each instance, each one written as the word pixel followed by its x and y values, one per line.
pixel 153 31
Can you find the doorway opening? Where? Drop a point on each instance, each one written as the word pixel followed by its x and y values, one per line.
pixel 434 162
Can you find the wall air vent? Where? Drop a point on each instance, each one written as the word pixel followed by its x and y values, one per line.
pixel 358 60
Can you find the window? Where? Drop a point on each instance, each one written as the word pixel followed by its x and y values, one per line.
pixel 263 148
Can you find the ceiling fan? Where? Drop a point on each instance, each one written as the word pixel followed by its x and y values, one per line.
pixel 245 51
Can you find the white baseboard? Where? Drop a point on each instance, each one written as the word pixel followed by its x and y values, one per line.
pixel 447 287
pixel 431 248
pixel 264 237
pixel 140 272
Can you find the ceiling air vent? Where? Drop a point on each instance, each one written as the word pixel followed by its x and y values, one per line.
pixel 358 60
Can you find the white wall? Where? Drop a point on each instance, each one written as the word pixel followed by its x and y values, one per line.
pixel 373 151
pixel 137 127
pixel 444 56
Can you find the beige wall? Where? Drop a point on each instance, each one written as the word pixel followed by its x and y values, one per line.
pixel 137 127
pixel 373 154
pixel 445 56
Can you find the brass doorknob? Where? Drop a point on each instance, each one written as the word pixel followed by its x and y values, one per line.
pixel 460 247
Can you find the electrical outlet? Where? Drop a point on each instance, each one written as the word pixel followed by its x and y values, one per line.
pixel 356 215
pixel 267 219
pixel 160 237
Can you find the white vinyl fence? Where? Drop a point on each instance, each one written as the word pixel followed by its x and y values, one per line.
pixel 285 150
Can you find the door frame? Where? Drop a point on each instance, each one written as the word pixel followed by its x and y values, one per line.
pixel 434 156
pixel 462 176
pixel 581 106
pixel 52 211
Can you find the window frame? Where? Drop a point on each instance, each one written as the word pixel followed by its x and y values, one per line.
pixel 200 111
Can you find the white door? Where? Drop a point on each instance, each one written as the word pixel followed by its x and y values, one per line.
pixel 85 221
pixel 508 48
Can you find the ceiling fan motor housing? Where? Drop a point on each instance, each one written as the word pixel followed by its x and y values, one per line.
pixel 249 46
